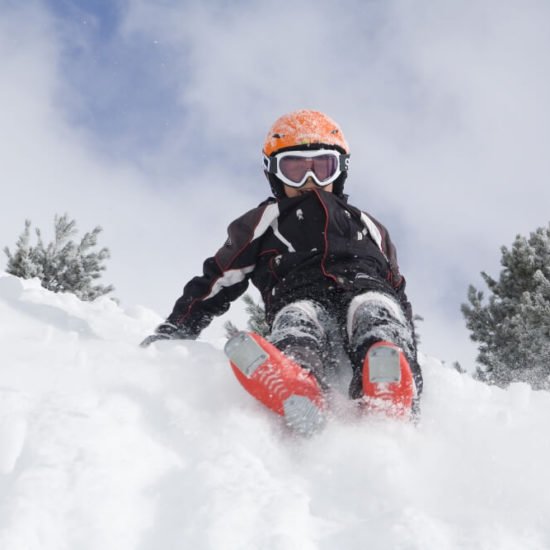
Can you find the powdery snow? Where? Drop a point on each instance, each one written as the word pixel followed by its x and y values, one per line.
pixel 104 445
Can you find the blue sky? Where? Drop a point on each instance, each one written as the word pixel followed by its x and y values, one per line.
pixel 125 84
pixel 148 117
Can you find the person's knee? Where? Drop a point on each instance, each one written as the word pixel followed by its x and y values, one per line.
pixel 299 321
pixel 299 332
pixel 374 316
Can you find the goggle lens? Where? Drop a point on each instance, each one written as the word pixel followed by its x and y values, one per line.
pixel 295 168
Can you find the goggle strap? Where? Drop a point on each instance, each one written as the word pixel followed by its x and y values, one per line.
pixel 270 165
pixel 344 163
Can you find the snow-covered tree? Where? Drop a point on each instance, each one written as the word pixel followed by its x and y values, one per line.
pixel 256 319
pixel 63 265
pixel 513 327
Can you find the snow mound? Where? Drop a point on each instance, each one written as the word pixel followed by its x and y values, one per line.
pixel 104 445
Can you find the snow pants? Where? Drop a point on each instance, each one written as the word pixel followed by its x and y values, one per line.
pixel 307 331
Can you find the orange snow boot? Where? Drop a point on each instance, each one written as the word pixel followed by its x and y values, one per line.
pixel 388 383
pixel 278 382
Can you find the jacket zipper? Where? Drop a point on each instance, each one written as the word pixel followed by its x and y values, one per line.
pixel 325 252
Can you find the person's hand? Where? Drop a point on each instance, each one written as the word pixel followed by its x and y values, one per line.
pixel 165 331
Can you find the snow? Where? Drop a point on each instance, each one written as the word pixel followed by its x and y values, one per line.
pixel 104 445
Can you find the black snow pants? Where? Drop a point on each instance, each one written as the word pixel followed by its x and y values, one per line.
pixel 307 331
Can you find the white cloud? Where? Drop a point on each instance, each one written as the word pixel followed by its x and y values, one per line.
pixel 156 235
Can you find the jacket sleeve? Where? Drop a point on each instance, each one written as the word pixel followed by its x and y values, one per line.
pixel 225 277
pixel 396 279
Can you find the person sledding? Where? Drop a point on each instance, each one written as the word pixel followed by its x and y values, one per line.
pixel 321 265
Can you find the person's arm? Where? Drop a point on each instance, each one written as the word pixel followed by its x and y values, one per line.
pixel 225 277
pixel 395 278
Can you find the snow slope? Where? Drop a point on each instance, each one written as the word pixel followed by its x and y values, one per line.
pixel 104 445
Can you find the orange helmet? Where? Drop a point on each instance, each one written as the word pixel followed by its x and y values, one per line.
pixel 302 129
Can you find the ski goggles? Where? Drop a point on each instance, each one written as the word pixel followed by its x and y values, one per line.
pixel 293 168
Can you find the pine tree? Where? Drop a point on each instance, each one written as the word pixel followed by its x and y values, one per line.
pixel 63 265
pixel 513 327
pixel 256 321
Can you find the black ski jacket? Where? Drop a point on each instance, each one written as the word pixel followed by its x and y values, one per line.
pixel 314 246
